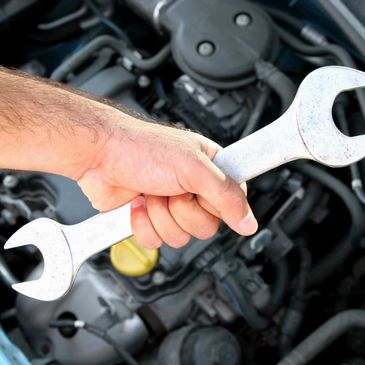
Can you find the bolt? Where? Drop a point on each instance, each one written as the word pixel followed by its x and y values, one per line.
pixel 8 216
pixel 158 278
pixel 10 181
pixel 206 48
pixel 143 81
pixel 242 20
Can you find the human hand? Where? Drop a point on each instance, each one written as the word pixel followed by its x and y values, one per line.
pixel 176 190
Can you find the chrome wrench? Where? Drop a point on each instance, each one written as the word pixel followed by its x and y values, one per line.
pixel 305 131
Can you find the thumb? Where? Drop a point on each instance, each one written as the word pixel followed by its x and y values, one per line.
pixel 223 194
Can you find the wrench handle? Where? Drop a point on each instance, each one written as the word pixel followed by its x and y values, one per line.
pixel 98 233
pixel 269 147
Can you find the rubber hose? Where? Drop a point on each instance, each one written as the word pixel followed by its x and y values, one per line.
pixel 5 273
pixel 355 38
pixel 344 58
pixel 356 183
pixel 323 336
pixel 256 114
pixel 102 60
pixel 309 33
pixel 298 217
pixel 117 45
pixel 341 252
pixel 295 23
pixel 294 313
pixel 277 81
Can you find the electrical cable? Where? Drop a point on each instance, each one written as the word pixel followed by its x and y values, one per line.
pixel 243 304
pixel 98 332
pixel 107 22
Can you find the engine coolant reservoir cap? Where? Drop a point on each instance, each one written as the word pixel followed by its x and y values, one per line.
pixel 131 259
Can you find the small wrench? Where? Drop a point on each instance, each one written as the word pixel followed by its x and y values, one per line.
pixel 305 131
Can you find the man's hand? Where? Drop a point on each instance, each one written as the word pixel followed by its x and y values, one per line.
pixel 177 191
pixel 115 157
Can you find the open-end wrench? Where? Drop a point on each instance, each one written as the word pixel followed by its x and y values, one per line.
pixel 305 131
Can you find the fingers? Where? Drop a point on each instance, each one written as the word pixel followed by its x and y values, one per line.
pixel 164 223
pixel 208 207
pixel 142 226
pixel 191 217
pixel 171 220
pixel 224 195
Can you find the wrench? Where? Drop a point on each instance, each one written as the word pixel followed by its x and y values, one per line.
pixel 305 131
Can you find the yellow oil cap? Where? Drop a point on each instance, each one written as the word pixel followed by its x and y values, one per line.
pixel 131 259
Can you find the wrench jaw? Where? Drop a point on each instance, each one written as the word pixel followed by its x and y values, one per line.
pixel 316 96
pixel 57 276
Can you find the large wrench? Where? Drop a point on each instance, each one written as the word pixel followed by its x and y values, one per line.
pixel 305 131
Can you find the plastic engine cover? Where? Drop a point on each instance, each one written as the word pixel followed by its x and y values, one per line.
pixel 218 42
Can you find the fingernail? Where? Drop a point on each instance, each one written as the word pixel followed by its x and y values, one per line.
pixel 248 225
pixel 137 202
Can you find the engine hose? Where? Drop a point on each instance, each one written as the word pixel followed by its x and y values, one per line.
pixel 306 31
pixel 244 305
pixel 323 336
pixel 277 81
pixel 118 46
pixel 298 217
pixel 256 114
pixel 294 313
pixel 338 17
pixel 342 251
pixel 102 60
pixel 356 183
pixel 280 284
pixel 5 273
pixel 339 53
pixel 107 22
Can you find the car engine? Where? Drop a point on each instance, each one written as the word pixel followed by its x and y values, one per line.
pixel 293 293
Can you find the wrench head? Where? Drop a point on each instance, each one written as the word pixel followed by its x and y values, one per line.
pixel 57 277
pixel 314 102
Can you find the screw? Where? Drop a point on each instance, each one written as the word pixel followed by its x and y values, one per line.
pixel 206 48
pixel 242 20
pixel 10 181
pixel 158 278
pixel 143 81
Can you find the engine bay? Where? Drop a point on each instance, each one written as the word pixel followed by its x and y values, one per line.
pixel 290 294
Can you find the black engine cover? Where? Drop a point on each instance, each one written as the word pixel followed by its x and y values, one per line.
pixel 217 42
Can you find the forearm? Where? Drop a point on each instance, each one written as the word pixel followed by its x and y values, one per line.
pixel 47 128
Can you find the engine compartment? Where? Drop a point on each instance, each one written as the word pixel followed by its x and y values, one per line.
pixel 224 69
